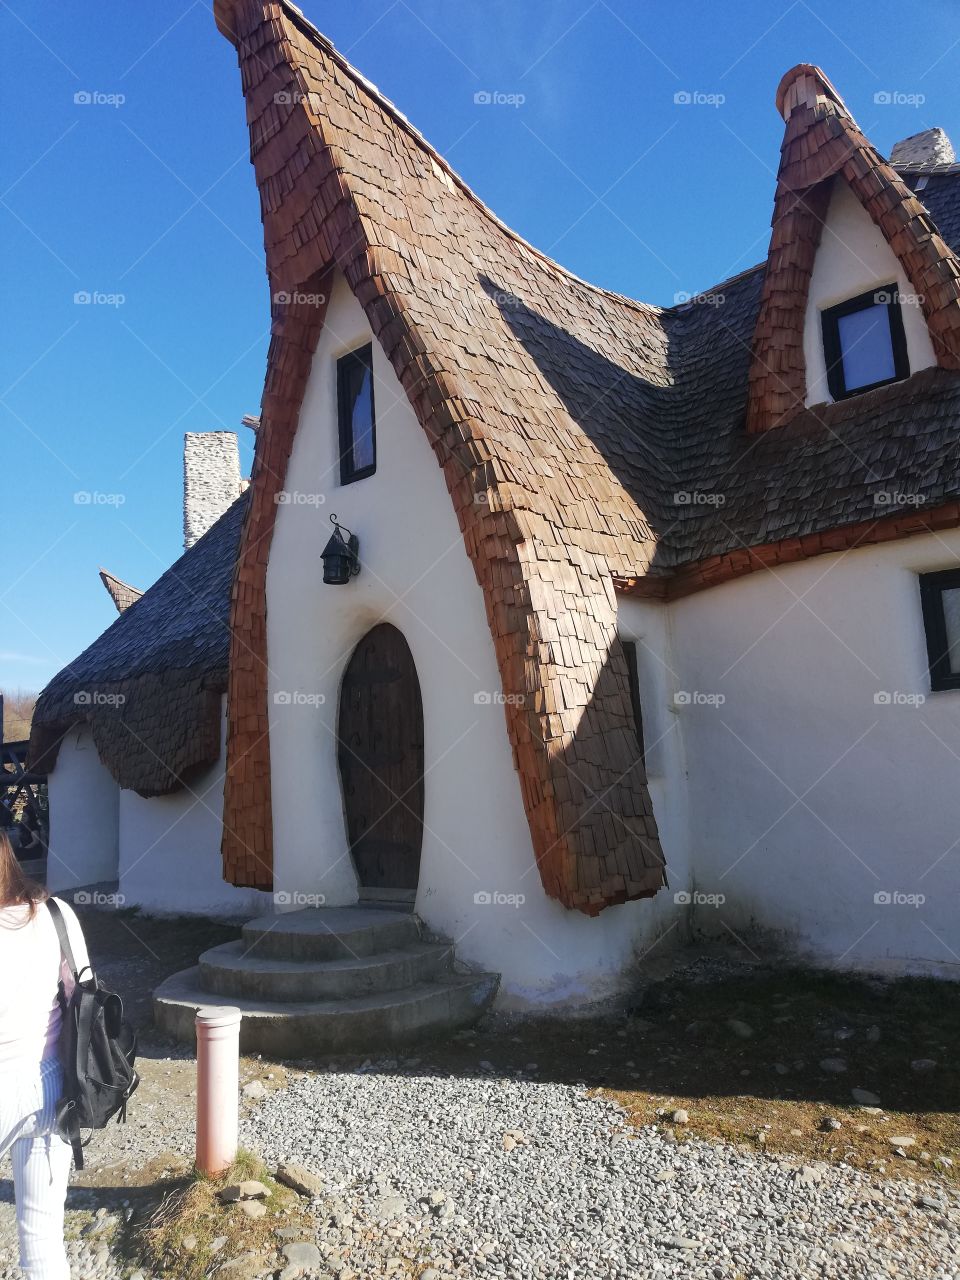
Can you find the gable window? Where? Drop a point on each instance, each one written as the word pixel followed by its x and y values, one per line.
pixel 940 600
pixel 630 653
pixel 863 342
pixel 357 416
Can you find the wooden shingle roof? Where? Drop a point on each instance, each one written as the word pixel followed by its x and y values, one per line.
pixel 120 592
pixel 150 687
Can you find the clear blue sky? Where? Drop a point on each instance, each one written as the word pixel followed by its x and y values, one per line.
pixel 153 198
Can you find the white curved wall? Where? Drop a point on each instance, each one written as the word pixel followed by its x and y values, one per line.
pixel 853 257
pixel 84 799
pixel 416 575
pixel 808 796
pixel 170 851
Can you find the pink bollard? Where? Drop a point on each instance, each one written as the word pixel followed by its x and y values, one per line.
pixel 218 1084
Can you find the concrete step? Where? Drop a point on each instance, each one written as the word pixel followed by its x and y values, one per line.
pixel 362 1024
pixel 231 970
pixel 330 933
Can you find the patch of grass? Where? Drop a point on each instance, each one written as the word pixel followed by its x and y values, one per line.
pixel 176 1237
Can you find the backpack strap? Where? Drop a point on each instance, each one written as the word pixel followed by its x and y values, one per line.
pixel 61 927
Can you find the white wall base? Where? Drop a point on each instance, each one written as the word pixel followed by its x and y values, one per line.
pixel 84 799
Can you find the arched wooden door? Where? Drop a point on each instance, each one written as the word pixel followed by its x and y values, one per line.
pixel 380 746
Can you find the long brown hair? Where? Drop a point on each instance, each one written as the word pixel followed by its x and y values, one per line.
pixel 16 888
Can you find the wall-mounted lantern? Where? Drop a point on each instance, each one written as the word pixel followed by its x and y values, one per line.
pixel 341 557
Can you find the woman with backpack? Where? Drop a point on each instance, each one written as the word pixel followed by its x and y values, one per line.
pixel 31 1078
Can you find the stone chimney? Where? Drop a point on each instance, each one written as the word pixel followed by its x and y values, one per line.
pixel 211 480
pixel 930 147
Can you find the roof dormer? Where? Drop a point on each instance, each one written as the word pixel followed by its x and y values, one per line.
pixel 860 289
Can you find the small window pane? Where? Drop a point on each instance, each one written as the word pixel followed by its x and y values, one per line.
pixel 867 347
pixel 940 599
pixel 361 418
pixel 357 414
pixel 951 617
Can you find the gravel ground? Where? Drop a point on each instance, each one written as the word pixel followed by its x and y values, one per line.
pixel 437 1176
pixel 504 1177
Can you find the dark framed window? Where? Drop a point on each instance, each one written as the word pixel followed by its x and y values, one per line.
pixel 940 601
pixel 357 415
pixel 863 342
pixel 630 653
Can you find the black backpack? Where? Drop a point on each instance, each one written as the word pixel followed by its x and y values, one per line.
pixel 98 1048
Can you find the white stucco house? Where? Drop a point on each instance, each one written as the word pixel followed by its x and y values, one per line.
pixel 655 626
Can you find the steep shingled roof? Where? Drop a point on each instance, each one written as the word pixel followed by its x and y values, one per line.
pixel 583 422
pixel 150 686
pixel 822 142
pixel 120 592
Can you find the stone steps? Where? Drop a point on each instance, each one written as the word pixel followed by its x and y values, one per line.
pixel 231 970
pixel 330 933
pixel 328 980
